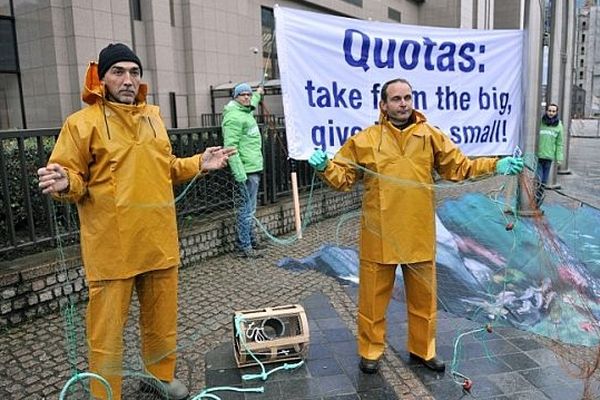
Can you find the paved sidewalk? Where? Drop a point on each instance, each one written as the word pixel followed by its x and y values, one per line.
pixel 35 361
pixel 329 372
pixel 35 357
pixel 583 182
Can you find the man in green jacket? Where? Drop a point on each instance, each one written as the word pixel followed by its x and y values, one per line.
pixel 240 131
pixel 550 147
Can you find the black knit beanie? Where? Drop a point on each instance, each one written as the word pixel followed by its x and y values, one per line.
pixel 113 53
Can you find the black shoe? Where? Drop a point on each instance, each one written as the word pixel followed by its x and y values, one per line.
pixel 434 364
pixel 368 366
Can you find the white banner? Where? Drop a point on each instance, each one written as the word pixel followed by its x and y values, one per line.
pixel 467 82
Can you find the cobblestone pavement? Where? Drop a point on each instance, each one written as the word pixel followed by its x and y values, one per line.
pixel 36 360
pixel 583 182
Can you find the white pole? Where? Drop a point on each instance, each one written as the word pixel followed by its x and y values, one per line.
pixel 296 200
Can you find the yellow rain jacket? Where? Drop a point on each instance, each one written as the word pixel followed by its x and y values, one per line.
pixel 398 206
pixel 121 172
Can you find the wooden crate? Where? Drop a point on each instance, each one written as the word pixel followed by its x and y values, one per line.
pixel 271 334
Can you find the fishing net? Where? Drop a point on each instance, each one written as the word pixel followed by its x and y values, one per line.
pixel 208 213
pixel 509 255
pixel 496 267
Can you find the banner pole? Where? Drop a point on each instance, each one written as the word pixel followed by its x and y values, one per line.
pixel 531 87
pixel 296 199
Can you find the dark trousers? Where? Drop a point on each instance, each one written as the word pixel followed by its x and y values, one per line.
pixel 542 175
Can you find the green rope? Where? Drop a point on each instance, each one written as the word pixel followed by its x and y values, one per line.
pixel 306 220
pixel 463 380
pixel 69 311
pixel 206 393
pixel 85 375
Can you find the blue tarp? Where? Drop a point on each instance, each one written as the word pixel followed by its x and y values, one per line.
pixel 538 274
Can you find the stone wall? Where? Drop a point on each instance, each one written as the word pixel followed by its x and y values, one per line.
pixel 43 283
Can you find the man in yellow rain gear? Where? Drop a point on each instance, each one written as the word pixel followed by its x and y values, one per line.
pixel 396 160
pixel 114 160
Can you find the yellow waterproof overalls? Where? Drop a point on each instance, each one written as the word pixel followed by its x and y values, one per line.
pixel 398 222
pixel 121 172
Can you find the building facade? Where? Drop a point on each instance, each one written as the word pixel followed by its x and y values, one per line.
pixel 187 47
pixel 587 58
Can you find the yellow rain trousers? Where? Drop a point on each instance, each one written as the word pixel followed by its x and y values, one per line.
pixel 157 293
pixel 121 174
pixel 376 284
pixel 398 221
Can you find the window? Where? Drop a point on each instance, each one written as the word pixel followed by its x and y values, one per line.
pixel 270 64
pixel 581 63
pixel 357 3
pixel 10 102
pixel 394 14
pixel 8 51
pixel 582 50
pixel 11 99
pixel 5 8
pixel 583 38
pixel 581 75
pixel 172 12
pixel 135 8
pixel 173 106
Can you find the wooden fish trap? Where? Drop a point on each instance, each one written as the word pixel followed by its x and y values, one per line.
pixel 271 334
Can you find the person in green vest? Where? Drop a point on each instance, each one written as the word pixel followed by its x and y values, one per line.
pixel 550 148
pixel 240 131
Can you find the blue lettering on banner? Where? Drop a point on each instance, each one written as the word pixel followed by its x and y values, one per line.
pixel 448 99
pixel 445 61
pixel 336 97
pixel 464 51
pixel 429 45
pixel 389 62
pixel 409 47
pixel 364 49
pixel 492 133
pixel 446 56
pixel 329 135
pixel 494 101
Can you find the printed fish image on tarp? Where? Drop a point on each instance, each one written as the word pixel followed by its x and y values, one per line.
pixel 543 278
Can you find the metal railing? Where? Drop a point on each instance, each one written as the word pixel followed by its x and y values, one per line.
pixel 26 221
pixel 216 119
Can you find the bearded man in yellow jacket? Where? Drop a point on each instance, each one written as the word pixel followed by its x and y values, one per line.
pixel 113 159
pixel 396 160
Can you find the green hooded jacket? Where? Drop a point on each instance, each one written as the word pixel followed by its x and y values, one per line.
pixel 240 130
pixel 550 142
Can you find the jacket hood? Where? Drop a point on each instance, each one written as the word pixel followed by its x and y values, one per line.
pixel 93 90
